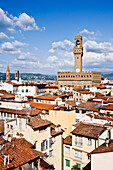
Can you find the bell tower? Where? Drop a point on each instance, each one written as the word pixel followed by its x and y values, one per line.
pixel 7 74
pixel 78 53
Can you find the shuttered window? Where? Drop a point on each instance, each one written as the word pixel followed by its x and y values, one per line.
pixel 68 163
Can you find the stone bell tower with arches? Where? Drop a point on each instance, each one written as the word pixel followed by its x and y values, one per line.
pixel 78 53
pixel 85 79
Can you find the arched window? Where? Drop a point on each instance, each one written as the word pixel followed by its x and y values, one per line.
pixel 78 43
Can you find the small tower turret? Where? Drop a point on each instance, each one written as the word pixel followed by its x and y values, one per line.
pixel 7 74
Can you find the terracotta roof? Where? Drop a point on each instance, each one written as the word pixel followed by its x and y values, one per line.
pixel 1 126
pixel 70 102
pixel 36 122
pixel 2 140
pixel 101 117
pixel 107 107
pixel 103 148
pixel 3 92
pixel 68 140
pixel 84 92
pixel 98 94
pixel 20 112
pixel 19 152
pixel 42 106
pixel 88 130
pixel 46 97
pixel 110 100
pixel 7 96
pixel 102 97
pixel 90 106
pixel 101 87
pixel 55 132
pixel 51 86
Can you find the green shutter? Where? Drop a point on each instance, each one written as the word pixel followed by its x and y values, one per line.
pixel 79 166
pixel 68 163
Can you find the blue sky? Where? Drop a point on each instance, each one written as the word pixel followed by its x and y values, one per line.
pixel 38 36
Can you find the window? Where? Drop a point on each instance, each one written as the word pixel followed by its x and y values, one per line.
pixel 89 141
pixel 44 145
pixel 78 166
pixel 89 157
pixel 77 120
pixel 78 141
pixel 50 143
pixel 22 90
pixel 67 150
pixel 88 86
pixel 26 90
pixel 78 155
pixel 68 163
pixel 84 86
pixel 50 153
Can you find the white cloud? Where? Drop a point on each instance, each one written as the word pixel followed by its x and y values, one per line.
pixel 5 21
pixel 85 31
pixel 18 44
pixel 102 47
pixel 24 21
pixel 52 58
pixel 7 46
pixel 3 36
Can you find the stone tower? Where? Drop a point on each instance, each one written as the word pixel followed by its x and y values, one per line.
pixel 78 53
pixel 17 75
pixel 7 74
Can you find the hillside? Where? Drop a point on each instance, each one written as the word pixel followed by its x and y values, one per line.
pixel 29 76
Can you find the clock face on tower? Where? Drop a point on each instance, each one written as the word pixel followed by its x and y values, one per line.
pixel 77 70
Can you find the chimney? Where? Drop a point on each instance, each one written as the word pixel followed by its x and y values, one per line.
pixel 42 116
pixel 6 159
pixel 58 128
pixel 107 142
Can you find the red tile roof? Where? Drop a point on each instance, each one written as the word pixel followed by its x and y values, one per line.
pixel 36 122
pixel 68 140
pixel 42 106
pixel 46 97
pixel 19 152
pixel 88 130
pixel 89 106
pixel 8 96
pixel 1 126
pixel 103 148
pixel 20 112
pixel 71 103
pixel 107 107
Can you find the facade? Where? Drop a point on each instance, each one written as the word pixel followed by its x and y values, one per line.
pixel 84 139
pixel 79 77
pixel 101 157
pixel 43 134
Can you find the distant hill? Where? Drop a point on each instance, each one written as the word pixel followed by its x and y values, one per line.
pixel 29 76
pixel 36 77
pixel 108 75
